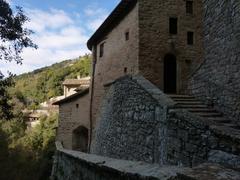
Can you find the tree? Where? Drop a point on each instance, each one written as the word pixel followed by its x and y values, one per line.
pixel 5 107
pixel 13 39
pixel 13 36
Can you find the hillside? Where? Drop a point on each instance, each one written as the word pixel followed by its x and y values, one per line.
pixel 35 87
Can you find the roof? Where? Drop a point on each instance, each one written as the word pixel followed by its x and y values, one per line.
pixel 77 81
pixel 123 8
pixel 72 97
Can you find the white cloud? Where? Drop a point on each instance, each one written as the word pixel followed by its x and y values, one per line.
pixel 9 1
pixel 42 20
pixel 96 16
pixel 58 36
pixel 94 11
pixel 94 24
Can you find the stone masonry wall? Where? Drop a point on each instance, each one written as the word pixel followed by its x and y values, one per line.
pixel 191 140
pixel 128 127
pixel 71 117
pixel 155 41
pixel 120 57
pixel 217 80
pixel 73 165
pixel 139 122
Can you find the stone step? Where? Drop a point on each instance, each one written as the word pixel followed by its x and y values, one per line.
pixel 180 103
pixel 210 114
pixel 179 96
pixel 191 106
pixel 219 119
pixel 184 100
pixel 234 126
pixel 199 110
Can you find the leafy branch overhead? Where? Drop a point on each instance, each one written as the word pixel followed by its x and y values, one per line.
pixel 13 36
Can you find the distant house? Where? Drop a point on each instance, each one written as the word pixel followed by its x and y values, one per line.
pixel 73 126
pixel 33 117
pixel 71 85
pixel 33 120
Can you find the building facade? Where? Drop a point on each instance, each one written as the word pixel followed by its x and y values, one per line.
pixel 161 40
pixel 73 124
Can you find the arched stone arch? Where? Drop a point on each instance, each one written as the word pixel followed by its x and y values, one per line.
pixel 80 139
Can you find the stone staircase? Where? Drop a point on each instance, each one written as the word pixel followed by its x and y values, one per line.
pixel 227 149
pixel 198 108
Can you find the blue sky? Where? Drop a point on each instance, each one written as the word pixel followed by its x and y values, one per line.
pixel 62 28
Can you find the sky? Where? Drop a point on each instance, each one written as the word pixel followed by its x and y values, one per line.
pixel 61 30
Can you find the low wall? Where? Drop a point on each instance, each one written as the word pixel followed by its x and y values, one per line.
pixel 190 140
pixel 73 165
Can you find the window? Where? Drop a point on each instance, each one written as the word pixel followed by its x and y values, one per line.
pixel 101 50
pixel 173 25
pixel 125 70
pixel 189 7
pixel 190 38
pixel 77 105
pixel 127 36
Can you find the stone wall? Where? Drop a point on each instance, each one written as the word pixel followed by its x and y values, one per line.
pixel 73 165
pixel 128 127
pixel 155 41
pixel 139 122
pixel 190 140
pixel 120 56
pixel 71 116
pixel 217 80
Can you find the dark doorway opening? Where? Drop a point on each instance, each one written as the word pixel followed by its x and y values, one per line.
pixel 170 74
pixel 80 139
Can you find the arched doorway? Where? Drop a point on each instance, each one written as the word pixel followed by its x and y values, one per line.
pixel 170 74
pixel 80 139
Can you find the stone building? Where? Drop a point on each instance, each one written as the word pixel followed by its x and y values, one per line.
pixel 71 85
pixel 161 40
pixel 164 90
pixel 73 128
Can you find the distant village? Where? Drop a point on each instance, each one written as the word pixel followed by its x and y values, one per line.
pixel 70 88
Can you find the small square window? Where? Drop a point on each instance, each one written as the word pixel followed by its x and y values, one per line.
pixel 101 50
pixel 126 36
pixel 190 38
pixel 173 25
pixel 189 7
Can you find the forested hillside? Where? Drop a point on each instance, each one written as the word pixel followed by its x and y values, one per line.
pixel 27 154
pixel 42 84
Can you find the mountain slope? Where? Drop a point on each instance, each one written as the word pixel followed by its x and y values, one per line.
pixel 40 85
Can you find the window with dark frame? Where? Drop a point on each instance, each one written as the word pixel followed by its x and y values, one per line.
pixel 101 50
pixel 190 38
pixel 127 35
pixel 173 23
pixel 189 7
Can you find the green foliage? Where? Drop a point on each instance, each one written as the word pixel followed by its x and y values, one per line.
pixel 42 135
pixel 13 36
pixel 27 155
pixel 43 84
pixel 5 106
